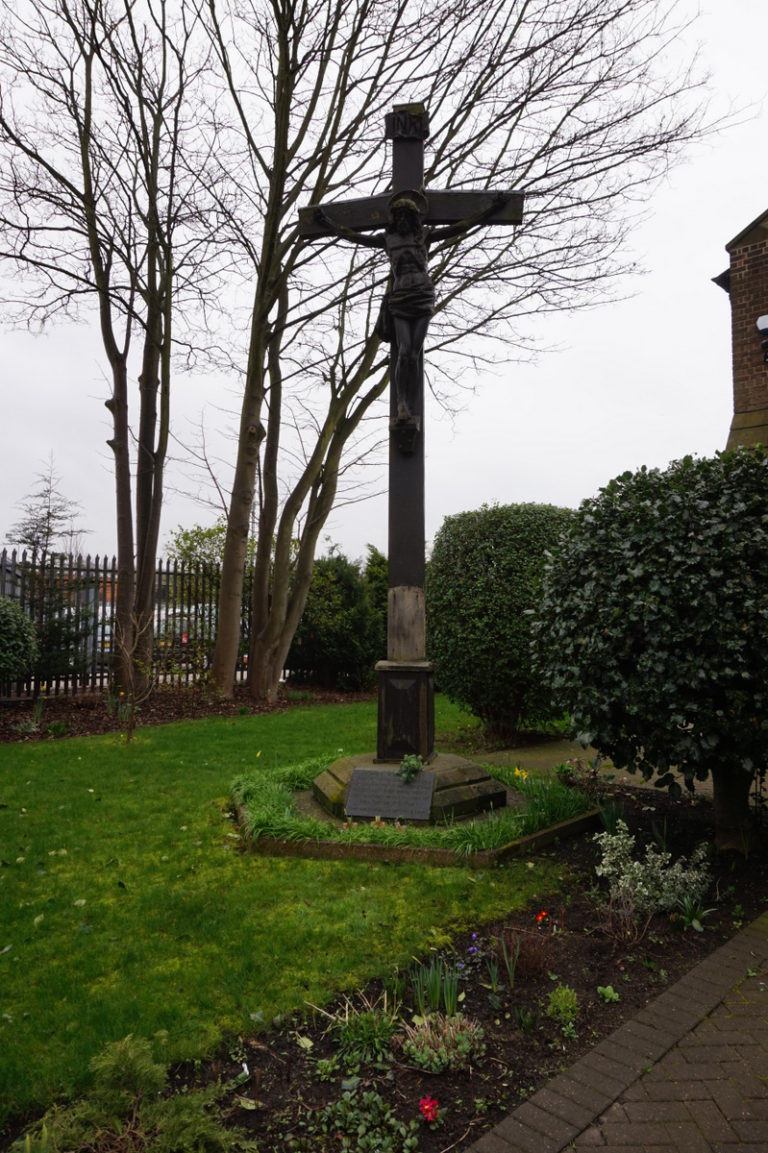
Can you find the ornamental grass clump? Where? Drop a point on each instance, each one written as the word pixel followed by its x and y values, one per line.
pixel 639 889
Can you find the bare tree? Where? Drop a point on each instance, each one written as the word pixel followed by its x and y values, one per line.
pixel 580 104
pixel 105 205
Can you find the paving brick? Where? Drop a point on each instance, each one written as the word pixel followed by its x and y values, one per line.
pixel 686 1137
pixel 698 1069
pixel 637 1134
pixel 602 1073
pixel 589 1139
pixel 749 1085
pixel 752 1130
pixel 519 1137
pixel 712 1123
pixel 645 1041
pixel 629 1061
pixel 591 1098
pixel 640 1111
pixel 567 1109
pixel 536 1117
pixel 678 1090
pixel 729 1099
pixel 491 1143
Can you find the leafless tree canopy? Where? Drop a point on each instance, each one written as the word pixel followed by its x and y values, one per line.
pixel 155 154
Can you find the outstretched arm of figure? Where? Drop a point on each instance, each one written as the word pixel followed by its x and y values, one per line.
pixel 464 226
pixel 347 233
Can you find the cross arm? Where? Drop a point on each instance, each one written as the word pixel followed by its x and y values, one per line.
pixel 353 215
pixel 372 212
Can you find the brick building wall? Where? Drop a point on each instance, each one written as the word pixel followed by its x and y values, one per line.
pixel 747 284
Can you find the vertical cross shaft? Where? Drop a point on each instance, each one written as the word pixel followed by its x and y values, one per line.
pixel 406 690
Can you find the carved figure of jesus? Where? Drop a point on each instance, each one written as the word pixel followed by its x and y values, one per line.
pixel 409 303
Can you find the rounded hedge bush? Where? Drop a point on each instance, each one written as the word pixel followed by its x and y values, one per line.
pixel 482 582
pixel 653 626
pixel 18 641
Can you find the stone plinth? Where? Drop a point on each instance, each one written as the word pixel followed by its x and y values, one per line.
pixel 461 788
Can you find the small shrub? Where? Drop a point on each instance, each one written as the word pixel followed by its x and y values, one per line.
pixel 438 1042
pixel 18 641
pixel 638 889
pixel 563 1005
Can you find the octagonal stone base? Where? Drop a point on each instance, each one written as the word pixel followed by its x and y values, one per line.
pixel 462 788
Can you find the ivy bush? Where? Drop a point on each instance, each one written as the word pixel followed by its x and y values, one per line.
pixel 482 581
pixel 18 641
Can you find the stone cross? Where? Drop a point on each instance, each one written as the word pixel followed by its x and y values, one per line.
pixel 403 222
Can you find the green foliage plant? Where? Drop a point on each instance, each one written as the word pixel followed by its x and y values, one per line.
pixel 126 1110
pixel 525 1019
pixel 607 993
pixel 363 1031
pixel 510 955
pixel 563 1007
pixel 359 1122
pixel 482 582
pixel 652 628
pixel 689 912
pixel 637 889
pixel 435 984
pixel 438 1042
pixel 18 641
pixel 410 767
pixel 426 983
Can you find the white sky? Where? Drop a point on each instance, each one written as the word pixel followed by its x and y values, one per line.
pixel 641 382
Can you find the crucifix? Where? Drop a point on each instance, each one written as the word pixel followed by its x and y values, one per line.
pixel 403 222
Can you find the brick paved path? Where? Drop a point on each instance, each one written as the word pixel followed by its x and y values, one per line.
pixel 688 1074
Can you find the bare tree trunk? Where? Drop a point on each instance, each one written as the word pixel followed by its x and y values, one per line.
pixel 734 824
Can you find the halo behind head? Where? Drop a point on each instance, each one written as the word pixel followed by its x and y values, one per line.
pixel 411 199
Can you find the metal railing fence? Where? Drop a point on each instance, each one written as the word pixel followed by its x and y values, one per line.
pixel 71 602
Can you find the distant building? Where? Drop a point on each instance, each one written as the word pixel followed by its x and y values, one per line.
pixel 746 282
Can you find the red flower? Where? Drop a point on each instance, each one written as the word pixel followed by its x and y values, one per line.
pixel 429 1108
pixel 542 916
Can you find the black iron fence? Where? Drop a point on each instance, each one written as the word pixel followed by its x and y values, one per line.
pixel 71 601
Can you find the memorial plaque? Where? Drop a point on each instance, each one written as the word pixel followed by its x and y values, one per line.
pixel 381 793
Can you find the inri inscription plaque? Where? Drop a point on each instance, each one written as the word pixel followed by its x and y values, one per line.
pixel 381 793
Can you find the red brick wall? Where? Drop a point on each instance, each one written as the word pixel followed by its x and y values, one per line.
pixel 749 299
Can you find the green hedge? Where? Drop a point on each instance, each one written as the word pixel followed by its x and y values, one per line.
pixel 482 581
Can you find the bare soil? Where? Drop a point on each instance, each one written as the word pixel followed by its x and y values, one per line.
pixel 524 1047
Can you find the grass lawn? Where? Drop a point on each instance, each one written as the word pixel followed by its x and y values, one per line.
pixel 125 906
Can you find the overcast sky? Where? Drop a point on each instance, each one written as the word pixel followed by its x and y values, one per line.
pixel 640 382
